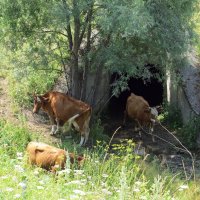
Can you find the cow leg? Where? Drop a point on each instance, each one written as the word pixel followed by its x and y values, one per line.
pixel 86 135
pixel 86 130
pixel 53 121
pixel 138 128
pixel 82 140
pixel 53 129
pixel 58 126
pixel 125 117
pixel 151 129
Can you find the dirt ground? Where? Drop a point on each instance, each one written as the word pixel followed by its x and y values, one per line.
pixel 168 156
pixel 35 123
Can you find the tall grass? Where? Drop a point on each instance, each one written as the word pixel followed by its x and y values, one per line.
pixel 122 175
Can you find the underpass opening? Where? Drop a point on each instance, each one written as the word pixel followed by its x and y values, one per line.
pixel 151 90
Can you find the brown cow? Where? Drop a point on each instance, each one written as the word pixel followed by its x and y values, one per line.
pixel 62 108
pixel 49 157
pixel 138 109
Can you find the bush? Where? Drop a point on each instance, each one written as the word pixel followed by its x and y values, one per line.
pixel 103 175
pixel 22 84
pixel 97 132
pixel 171 116
pixel 13 139
pixel 190 131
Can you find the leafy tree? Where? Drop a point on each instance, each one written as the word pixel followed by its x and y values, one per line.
pixel 92 36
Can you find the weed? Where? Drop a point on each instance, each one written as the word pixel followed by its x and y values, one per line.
pixel 190 131
pixel 171 116
pixel 120 176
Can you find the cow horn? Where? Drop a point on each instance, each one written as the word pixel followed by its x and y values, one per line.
pixel 46 98
pixel 38 99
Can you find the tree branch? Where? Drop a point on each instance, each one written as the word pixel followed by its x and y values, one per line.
pixel 51 31
pixel 87 19
pixel 68 28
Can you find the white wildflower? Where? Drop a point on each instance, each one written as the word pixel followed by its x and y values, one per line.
pixel 14 178
pixel 22 185
pixel 5 145
pixel 89 177
pixel 36 172
pixel 65 171
pixel 103 184
pixel 138 183
pixel 80 192
pixel 183 187
pixel 19 168
pixel 17 196
pixel 136 190
pixel 105 175
pixel 19 154
pixel 73 196
pixel 40 187
pixel 41 182
pixel 143 197
pixel 4 177
pixel 9 189
pixel 78 172
pixel 106 192
pixel 76 182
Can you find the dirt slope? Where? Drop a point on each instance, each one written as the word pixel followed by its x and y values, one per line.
pixel 35 123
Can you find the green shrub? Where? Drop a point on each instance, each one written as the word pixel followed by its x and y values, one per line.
pixel 13 139
pixel 23 83
pixel 190 131
pixel 171 116
pixel 104 175
pixel 97 132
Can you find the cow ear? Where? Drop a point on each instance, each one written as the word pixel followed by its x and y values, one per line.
pixel 80 158
pixel 71 156
pixel 147 110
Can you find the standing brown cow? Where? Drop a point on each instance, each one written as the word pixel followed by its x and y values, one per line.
pixel 62 108
pixel 138 109
pixel 49 157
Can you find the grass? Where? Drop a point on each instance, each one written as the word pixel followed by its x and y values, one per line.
pixel 122 175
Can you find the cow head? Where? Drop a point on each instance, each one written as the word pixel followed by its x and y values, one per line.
pixel 79 159
pixel 38 102
pixel 154 112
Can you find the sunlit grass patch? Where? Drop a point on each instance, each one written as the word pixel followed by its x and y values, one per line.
pixel 103 175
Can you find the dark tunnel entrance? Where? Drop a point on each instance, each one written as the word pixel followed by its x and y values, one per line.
pixel 152 91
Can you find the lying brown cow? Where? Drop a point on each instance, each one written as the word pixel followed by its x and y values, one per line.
pixel 138 109
pixel 49 157
pixel 62 108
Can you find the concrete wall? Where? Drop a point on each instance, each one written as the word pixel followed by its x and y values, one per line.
pixel 176 96
pixel 102 89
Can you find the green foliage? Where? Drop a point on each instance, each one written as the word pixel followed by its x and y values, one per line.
pixel 102 176
pixel 130 33
pixel 171 116
pixel 23 83
pixel 189 132
pixel 97 132
pixel 13 139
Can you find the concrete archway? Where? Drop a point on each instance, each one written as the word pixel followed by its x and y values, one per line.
pixel 152 91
